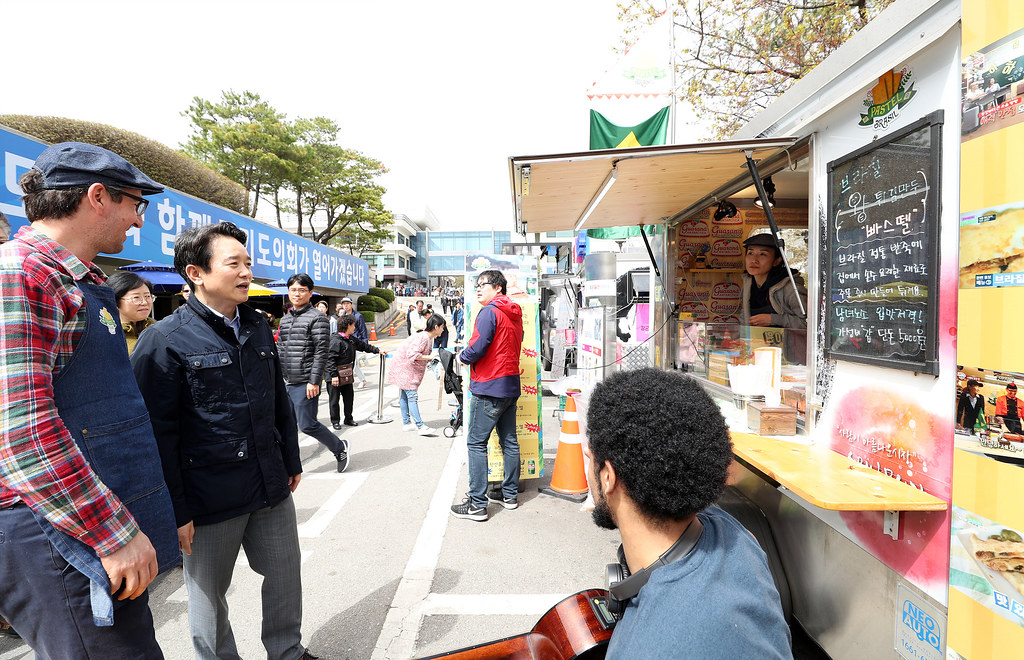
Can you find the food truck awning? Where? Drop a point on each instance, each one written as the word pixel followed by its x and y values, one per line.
pixel 621 187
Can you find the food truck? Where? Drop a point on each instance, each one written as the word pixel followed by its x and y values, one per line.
pixel 894 524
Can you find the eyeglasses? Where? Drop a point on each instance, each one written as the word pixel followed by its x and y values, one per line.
pixel 141 300
pixel 481 284
pixel 141 203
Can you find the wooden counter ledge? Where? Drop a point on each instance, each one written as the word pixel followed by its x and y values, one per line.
pixel 827 479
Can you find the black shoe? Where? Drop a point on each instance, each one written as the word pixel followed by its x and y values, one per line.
pixel 337 426
pixel 469 512
pixel 342 457
pixel 350 422
pixel 507 502
pixel 306 655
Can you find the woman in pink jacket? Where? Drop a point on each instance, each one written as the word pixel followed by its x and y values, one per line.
pixel 406 369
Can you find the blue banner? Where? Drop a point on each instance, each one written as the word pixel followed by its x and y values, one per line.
pixel 276 254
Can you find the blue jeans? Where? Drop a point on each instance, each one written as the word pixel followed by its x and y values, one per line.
pixel 305 413
pixel 487 413
pixel 408 402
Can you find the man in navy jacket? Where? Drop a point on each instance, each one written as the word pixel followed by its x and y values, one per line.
pixel 211 378
pixel 493 353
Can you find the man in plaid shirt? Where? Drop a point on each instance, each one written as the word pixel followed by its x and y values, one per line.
pixel 85 518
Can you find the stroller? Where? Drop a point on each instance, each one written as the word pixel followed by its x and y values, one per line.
pixel 452 385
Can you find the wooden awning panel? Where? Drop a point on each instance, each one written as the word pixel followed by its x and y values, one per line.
pixel 652 183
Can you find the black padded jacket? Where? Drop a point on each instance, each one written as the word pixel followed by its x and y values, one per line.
pixel 343 351
pixel 304 338
pixel 220 412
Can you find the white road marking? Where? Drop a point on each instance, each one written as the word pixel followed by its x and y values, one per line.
pixel 180 595
pixel 397 639
pixel 500 604
pixel 319 521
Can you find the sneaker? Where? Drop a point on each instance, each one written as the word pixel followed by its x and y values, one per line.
pixel 362 385
pixel 342 457
pixel 469 512
pixel 425 430
pixel 507 502
pixel 409 427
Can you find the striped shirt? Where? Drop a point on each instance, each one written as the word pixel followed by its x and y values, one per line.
pixel 42 318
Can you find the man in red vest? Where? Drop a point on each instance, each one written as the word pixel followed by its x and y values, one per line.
pixel 493 356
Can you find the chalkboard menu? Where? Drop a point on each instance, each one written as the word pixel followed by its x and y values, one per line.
pixel 883 261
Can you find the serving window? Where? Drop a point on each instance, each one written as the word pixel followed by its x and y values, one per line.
pixel 711 341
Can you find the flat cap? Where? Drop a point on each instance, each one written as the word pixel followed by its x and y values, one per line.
pixel 764 239
pixel 72 164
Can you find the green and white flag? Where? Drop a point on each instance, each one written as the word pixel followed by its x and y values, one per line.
pixel 606 135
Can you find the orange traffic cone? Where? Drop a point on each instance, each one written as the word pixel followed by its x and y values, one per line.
pixel 391 330
pixel 568 479
pixel 373 332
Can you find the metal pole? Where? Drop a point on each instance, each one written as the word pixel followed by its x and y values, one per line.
pixel 380 418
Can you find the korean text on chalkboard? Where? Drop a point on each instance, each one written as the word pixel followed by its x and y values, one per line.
pixel 882 269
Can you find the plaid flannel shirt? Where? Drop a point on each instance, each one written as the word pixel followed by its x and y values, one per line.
pixel 41 321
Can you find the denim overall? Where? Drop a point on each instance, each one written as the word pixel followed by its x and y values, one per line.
pixel 100 404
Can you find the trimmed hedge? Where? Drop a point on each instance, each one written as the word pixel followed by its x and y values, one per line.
pixel 386 294
pixel 167 166
pixel 370 303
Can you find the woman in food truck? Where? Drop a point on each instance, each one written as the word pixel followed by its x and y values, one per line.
pixel 768 297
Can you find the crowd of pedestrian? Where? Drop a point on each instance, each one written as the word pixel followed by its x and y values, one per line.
pixel 117 468
pixel 189 452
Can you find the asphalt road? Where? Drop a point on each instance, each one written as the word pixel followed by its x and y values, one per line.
pixel 387 572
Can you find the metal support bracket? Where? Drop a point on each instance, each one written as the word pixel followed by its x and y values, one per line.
pixel 891 524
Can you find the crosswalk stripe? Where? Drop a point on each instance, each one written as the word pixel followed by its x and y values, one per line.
pixel 397 637
pixel 319 521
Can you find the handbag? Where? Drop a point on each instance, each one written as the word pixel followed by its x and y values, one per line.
pixel 345 376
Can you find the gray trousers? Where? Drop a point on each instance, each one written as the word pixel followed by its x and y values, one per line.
pixel 271 541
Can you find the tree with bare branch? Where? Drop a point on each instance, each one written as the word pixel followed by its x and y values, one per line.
pixel 734 57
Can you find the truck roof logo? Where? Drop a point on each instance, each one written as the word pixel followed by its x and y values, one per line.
pixel 884 101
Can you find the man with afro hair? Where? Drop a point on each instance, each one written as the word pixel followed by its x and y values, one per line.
pixel 660 452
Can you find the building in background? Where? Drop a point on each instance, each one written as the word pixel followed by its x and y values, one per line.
pixel 421 255
pixel 442 254
pixel 395 262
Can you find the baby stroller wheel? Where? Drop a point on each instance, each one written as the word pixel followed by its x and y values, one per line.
pixel 449 432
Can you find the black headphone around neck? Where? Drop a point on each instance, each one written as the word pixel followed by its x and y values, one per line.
pixel 622 586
